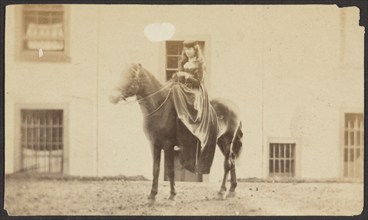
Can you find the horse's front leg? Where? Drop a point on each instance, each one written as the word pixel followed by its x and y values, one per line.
pixel 169 158
pixel 227 165
pixel 156 173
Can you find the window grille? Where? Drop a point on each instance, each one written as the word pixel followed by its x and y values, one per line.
pixel 282 160
pixel 173 55
pixel 353 145
pixel 42 140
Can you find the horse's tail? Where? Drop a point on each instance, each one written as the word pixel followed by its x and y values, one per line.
pixel 238 141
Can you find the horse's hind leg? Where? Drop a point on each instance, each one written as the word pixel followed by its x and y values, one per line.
pixel 222 192
pixel 169 158
pixel 156 173
pixel 233 180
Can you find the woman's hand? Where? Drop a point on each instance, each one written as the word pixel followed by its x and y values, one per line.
pixel 186 78
pixel 183 74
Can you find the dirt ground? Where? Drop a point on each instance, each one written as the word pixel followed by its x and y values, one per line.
pixel 29 196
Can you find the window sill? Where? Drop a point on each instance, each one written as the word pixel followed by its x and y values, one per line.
pixel 33 56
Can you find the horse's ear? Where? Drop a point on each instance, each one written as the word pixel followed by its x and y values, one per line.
pixel 139 67
pixel 135 68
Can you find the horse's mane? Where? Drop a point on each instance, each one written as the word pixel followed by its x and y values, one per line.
pixel 148 82
pixel 149 77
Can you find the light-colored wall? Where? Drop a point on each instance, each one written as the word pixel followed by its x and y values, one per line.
pixel 73 83
pixel 289 68
pixel 229 75
pixel 310 75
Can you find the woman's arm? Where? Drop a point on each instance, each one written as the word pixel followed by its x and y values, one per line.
pixel 181 65
pixel 200 71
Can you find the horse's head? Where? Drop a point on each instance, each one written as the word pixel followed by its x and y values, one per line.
pixel 128 85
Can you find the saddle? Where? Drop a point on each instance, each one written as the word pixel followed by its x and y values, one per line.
pixel 196 138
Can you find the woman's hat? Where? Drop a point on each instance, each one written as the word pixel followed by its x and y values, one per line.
pixel 189 43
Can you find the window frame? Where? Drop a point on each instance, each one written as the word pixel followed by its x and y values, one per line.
pixel 345 174
pixel 42 137
pixel 202 44
pixel 279 160
pixel 49 56
pixel 17 131
pixel 282 140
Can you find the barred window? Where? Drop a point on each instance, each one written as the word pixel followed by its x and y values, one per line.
pixel 42 141
pixel 353 150
pixel 282 160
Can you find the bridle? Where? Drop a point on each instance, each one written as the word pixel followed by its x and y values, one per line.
pixel 136 82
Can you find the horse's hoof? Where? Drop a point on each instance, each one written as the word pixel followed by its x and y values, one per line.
pixel 231 194
pixel 151 200
pixel 171 198
pixel 221 195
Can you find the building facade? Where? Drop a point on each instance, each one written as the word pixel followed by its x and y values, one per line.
pixel 296 73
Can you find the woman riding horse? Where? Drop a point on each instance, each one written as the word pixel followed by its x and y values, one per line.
pixel 166 108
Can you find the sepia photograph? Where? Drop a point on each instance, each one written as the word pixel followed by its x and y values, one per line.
pixel 183 110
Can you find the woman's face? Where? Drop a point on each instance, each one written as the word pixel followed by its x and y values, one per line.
pixel 189 51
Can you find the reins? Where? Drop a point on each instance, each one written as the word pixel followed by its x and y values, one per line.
pixel 150 95
pixel 159 107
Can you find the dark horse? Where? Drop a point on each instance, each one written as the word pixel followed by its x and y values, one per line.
pixel 152 97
